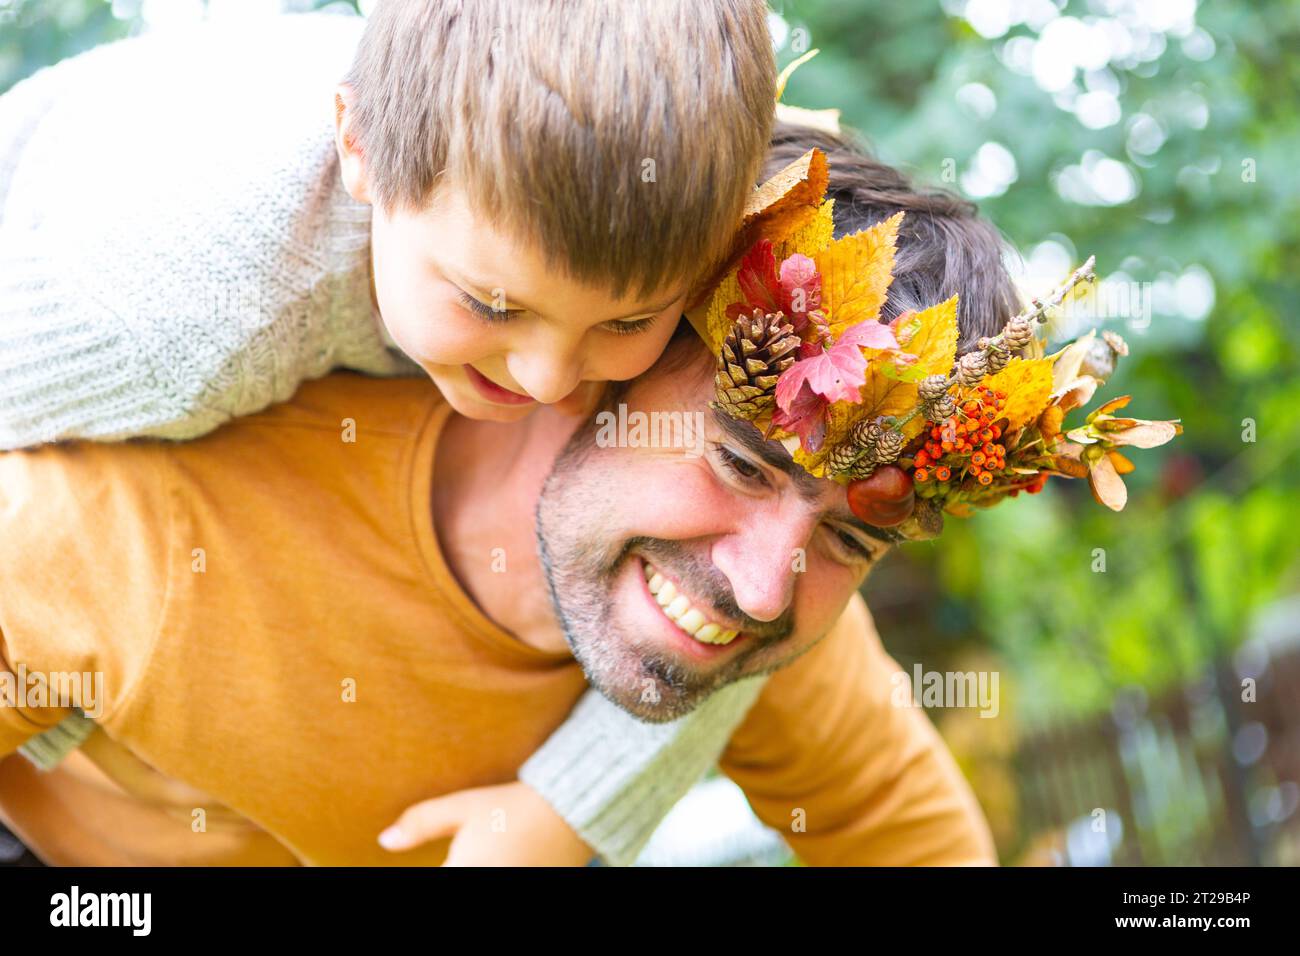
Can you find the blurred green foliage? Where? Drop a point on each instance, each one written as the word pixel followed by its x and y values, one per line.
pixel 1204 130
pixel 1208 537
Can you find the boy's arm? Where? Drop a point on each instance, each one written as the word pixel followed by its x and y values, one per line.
pixel 74 366
pixel 834 756
pixel 162 290
pixel 613 778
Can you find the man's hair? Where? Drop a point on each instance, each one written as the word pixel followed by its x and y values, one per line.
pixel 622 136
pixel 944 245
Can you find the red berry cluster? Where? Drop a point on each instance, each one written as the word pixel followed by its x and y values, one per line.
pixel 965 442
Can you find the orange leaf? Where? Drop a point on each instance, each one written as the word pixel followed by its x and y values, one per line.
pixel 810 236
pixel 1028 386
pixel 1122 465
pixel 786 198
pixel 1049 423
pixel 1113 405
pixel 856 272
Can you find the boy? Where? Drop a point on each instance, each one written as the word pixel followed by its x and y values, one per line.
pixel 186 231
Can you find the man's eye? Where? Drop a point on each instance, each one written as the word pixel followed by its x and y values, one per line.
pixel 740 467
pixel 483 310
pixel 852 545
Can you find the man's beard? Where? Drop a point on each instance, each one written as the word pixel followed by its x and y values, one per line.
pixel 581 566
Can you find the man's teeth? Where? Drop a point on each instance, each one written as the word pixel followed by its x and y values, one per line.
pixel 678 609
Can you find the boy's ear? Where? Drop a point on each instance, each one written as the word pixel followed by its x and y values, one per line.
pixel 351 161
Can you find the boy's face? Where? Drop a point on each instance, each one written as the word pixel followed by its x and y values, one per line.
pixel 496 328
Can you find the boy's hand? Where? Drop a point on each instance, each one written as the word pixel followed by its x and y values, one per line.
pixel 505 825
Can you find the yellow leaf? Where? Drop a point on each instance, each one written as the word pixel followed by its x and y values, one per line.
pixel 935 346
pixel 810 236
pixel 856 272
pixel 828 121
pixel 1028 386
pixel 716 323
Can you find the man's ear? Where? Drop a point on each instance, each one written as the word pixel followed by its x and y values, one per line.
pixel 351 162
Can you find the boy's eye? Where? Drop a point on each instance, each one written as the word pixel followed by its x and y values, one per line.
pixel 629 328
pixel 482 309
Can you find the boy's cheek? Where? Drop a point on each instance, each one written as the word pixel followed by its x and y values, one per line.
pixel 437 334
pixel 624 357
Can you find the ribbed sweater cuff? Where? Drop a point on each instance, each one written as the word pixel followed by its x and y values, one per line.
pixel 613 777
pixel 47 749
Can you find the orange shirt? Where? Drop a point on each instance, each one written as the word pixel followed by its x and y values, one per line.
pixel 288 663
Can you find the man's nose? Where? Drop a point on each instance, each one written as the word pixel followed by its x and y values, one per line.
pixel 548 371
pixel 761 559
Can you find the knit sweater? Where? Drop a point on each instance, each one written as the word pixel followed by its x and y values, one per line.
pixel 177 249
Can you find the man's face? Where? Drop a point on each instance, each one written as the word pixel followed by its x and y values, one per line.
pixel 737 540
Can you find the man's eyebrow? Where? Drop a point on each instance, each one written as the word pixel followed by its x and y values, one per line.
pixel 774 455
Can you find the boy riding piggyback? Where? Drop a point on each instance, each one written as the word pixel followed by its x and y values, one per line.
pixel 516 199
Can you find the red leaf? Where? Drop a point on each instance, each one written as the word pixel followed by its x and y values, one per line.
pixel 836 374
pixel 868 334
pixel 801 289
pixel 758 279
pixel 805 416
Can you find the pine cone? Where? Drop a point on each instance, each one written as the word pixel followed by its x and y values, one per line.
pixel 1017 333
pixel 866 433
pixel 846 456
pixel 942 409
pixel 889 446
pixel 997 359
pixel 753 355
pixel 972 367
pixel 864 468
pixel 933 387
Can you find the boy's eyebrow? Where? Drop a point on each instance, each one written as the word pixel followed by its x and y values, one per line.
pixel 774 455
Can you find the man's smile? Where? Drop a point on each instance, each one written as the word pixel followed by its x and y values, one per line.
pixel 708 635
pixel 677 607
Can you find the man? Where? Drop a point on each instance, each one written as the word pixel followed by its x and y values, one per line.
pixel 321 614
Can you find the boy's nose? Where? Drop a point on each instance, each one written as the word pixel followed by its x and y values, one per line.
pixel 547 376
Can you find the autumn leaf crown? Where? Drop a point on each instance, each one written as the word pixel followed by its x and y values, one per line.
pixel 890 410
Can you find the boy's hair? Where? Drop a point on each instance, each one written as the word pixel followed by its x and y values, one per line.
pixel 944 245
pixel 622 136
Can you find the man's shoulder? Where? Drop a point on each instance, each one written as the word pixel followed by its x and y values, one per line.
pixel 346 405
